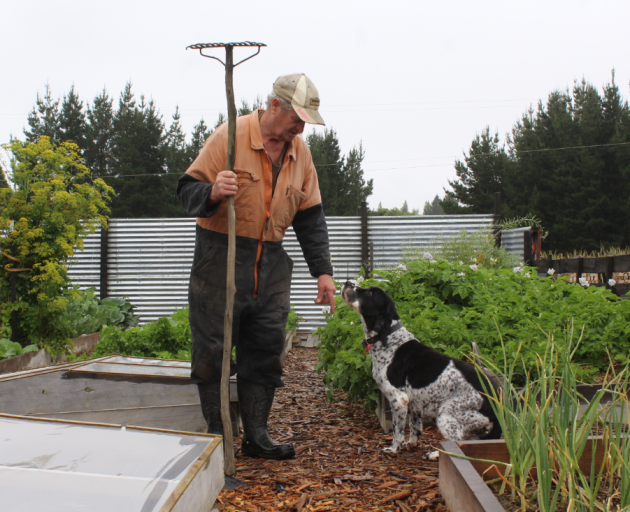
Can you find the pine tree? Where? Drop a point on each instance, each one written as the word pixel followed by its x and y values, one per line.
pixel 393 212
pixel 329 164
pixel 563 165
pixel 483 173
pixel 99 135
pixel 433 207
pixel 200 134
pixel 354 189
pixel 72 124
pixel 143 188
pixel 44 119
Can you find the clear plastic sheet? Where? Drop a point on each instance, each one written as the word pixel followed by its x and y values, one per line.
pixel 144 361
pixel 60 467
pixel 135 369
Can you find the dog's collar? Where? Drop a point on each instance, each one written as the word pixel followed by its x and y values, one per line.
pixel 368 342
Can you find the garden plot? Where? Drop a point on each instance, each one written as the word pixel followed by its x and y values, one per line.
pixel 59 466
pixel 154 393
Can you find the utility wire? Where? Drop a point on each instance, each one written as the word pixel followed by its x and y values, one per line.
pixel 398 168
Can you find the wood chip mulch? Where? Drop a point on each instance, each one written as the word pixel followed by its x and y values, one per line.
pixel 339 464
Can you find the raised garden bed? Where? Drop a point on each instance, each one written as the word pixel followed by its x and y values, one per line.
pixel 462 482
pixel 156 393
pixel 43 358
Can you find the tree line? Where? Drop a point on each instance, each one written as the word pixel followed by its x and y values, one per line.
pixel 129 146
pixel 566 162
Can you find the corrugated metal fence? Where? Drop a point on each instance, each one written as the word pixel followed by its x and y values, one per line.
pixel 148 260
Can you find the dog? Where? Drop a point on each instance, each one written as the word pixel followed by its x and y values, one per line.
pixel 417 380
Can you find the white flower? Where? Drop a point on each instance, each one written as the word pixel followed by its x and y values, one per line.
pixel 612 282
pixel 518 269
pixel 551 271
pixel 473 259
pixel 473 267
pixel 494 260
pixel 359 279
pixel 351 323
pixel 584 282
pixel 326 310
pixel 527 274
pixel 461 262
pixel 427 256
pixel 461 274
pixel 402 266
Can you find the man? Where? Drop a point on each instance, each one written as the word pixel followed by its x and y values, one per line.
pixel 274 185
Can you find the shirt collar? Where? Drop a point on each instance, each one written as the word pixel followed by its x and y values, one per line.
pixel 256 134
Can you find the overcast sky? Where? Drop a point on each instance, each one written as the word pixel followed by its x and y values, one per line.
pixel 413 81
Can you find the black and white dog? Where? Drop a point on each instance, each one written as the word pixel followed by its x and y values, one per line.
pixel 416 379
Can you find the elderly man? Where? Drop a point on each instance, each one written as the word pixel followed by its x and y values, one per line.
pixel 274 185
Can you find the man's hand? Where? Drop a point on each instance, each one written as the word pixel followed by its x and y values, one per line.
pixel 326 291
pixel 225 185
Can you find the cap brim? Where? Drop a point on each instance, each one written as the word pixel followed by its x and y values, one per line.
pixel 308 115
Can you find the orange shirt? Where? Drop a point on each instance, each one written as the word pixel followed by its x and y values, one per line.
pixel 258 214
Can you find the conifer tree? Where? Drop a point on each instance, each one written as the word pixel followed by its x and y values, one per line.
pixel 433 207
pixel 72 125
pixel 329 164
pixel 354 189
pixel 44 118
pixel 568 163
pixel 99 134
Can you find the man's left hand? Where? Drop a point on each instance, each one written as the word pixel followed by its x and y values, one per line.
pixel 326 291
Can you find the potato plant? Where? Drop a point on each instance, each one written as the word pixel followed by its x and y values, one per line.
pixel 449 305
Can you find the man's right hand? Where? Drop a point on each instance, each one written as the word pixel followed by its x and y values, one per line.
pixel 225 185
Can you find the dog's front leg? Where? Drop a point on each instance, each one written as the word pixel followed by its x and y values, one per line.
pixel 399 404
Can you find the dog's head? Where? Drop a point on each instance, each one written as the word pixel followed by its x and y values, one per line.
pixel 376 308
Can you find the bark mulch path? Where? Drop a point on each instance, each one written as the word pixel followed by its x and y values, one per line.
pixel 339 463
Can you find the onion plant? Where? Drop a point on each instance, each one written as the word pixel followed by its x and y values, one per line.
pixel 548 424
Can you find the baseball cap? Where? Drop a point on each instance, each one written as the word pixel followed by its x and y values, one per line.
pixel 302 94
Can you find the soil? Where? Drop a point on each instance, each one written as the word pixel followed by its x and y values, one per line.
pixel 339 464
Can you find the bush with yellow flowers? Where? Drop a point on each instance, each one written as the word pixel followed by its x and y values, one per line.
pixel 52 205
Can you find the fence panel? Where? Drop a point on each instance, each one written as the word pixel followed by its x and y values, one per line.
pixel 393 235
pixel 149 260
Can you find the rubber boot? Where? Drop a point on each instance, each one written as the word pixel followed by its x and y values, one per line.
pixel 255 403
pixel 210 395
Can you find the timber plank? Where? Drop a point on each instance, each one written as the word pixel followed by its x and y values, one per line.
pixel 461 486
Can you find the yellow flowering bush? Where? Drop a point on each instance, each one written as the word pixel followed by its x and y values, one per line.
pixel 52 206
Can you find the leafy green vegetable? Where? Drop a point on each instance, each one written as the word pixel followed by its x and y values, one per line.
pixel 166 338
pixel 447 306
pixel 294 320
pixel 9 348
pixel 86 314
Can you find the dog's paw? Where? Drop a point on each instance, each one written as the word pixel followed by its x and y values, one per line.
pixel 432 456
pixel 390 450
pixel 410 444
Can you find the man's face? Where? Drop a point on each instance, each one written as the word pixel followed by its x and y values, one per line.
pixel 287 125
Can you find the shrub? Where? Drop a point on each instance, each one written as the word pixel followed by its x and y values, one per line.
pixel 52 205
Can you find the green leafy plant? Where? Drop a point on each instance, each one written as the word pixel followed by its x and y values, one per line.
pixel 166 338
pixel 52 205
pixel 9 348
pixel 86 314
pixel 448 305
pixel 294 320
pixel 547 424
pixel 467 246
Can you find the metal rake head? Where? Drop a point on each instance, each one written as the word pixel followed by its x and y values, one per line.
pixel 203 46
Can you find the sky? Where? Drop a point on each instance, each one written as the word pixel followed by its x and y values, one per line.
pixel 412 81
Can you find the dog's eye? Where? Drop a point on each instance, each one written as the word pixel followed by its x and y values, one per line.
pixel 370 294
